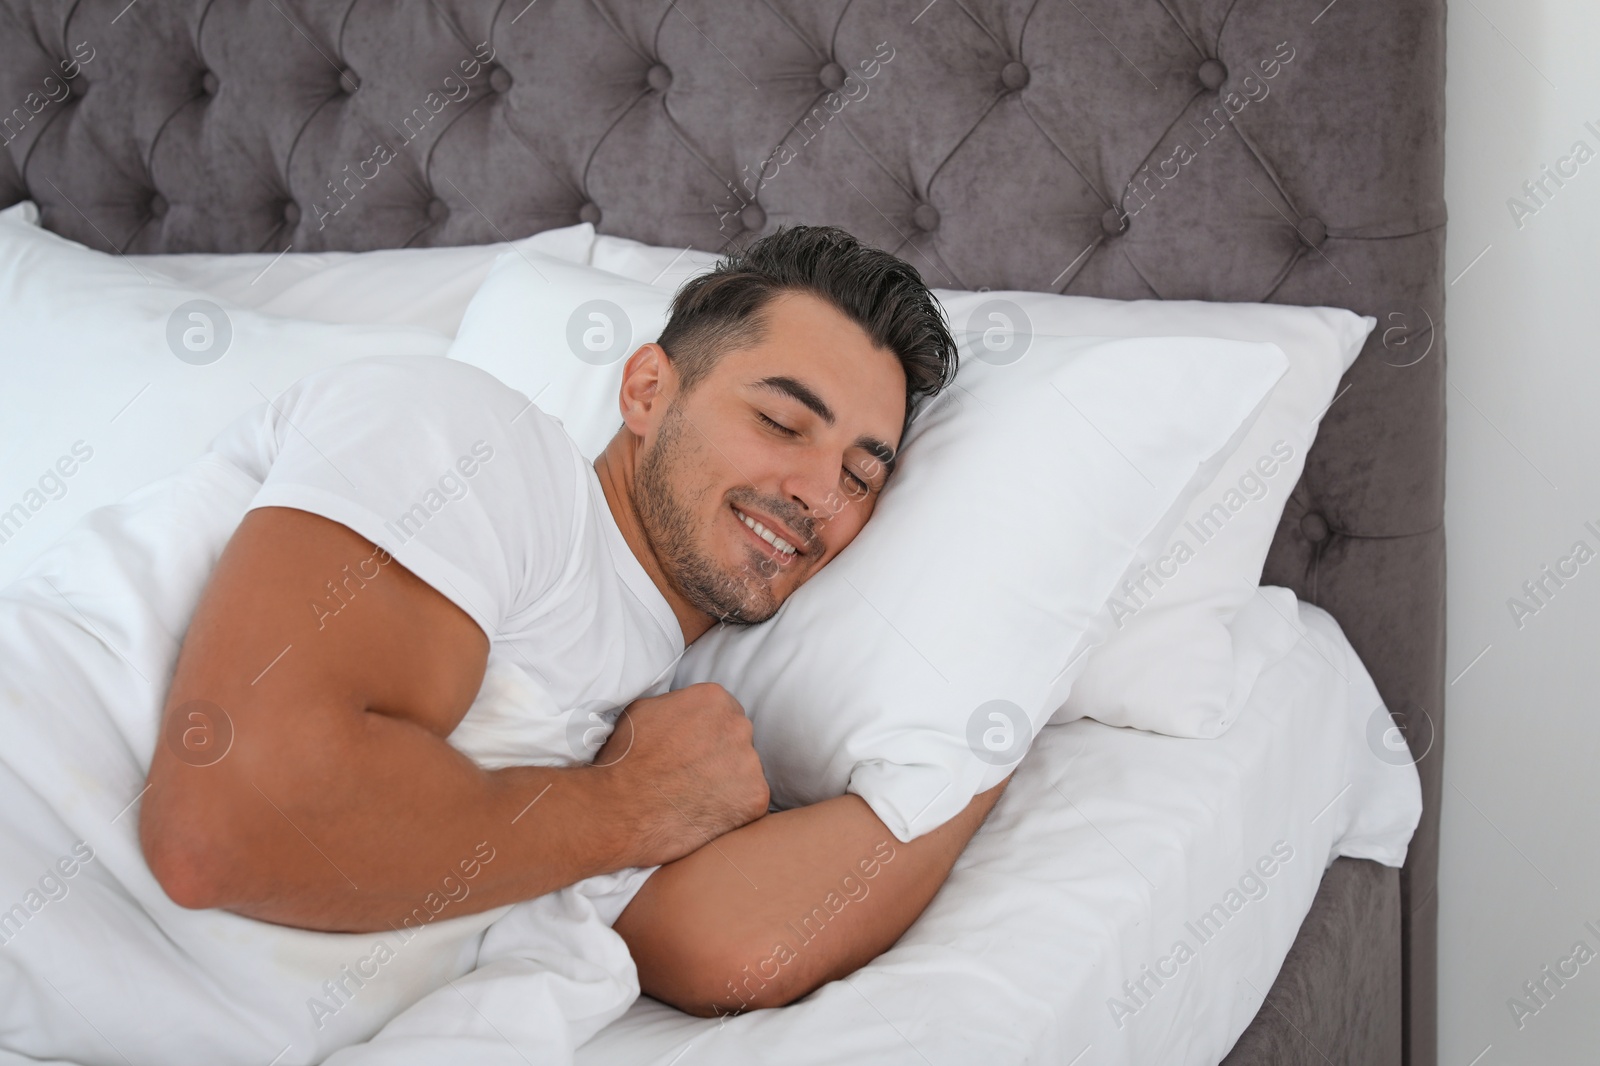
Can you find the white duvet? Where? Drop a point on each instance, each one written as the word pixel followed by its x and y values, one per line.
pixel 1110 848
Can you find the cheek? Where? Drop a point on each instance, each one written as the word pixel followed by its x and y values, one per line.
pixel 695 472
pixel 844 526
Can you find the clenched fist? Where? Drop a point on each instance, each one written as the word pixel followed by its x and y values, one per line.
pixel 684 771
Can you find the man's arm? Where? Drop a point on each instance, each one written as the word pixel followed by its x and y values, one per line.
pixel 768 912
pixel 338 805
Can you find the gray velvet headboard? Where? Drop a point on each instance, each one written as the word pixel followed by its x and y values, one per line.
pixel 1287 151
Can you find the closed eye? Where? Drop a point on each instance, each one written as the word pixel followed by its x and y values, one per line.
pixel 780 428
pixel 860 483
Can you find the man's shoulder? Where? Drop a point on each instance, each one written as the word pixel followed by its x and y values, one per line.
pixel 434 457
pixel 434 390
pixel 422 376
pixel 381 422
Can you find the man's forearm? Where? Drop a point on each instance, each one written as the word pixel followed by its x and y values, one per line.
pixel 770 911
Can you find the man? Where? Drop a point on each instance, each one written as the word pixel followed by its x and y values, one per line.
pixel 756 438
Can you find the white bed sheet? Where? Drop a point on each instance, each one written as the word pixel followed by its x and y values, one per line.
pixel 1104 853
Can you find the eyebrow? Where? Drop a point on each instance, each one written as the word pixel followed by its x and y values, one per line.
pixel 805 395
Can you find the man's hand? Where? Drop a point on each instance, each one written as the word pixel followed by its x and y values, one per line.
pixel 684 763
pixel 337 804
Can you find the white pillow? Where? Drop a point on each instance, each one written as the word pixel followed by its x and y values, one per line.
pixel 560 333
pixel 1168 664
pixel 665 268
pixel 915 669
pixel 115 376
pixel 24 212
pixel 427 287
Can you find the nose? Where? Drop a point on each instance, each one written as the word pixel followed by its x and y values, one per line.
pixel 815 489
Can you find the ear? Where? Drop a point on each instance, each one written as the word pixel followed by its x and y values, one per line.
pixel 649 382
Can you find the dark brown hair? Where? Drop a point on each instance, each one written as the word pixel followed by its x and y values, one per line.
pixel 720 310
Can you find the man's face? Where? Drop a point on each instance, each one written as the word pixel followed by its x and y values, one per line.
pixel 790 434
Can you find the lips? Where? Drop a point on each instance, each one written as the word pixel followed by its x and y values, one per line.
pixel 778 540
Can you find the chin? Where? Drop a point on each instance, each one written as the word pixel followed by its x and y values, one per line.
pixel 762 597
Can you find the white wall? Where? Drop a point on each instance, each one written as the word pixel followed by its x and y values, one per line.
pixel 1521 849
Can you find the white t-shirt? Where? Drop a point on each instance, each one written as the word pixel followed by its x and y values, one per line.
pixel 484 496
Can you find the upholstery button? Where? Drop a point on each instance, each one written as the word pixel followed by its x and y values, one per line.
pixel 349 81
pixel 926 216
pixel 500 80
pixel 831 77
pixel 590 213
pixel 438 210
pixel 158 205
pixel 1112 222
pixel 208 83
pixel 659 78
pixel 754 218
pixel 1314 527
pixel 291 213
pixel 1312 230
pixel 1212 74
pixel 1014 76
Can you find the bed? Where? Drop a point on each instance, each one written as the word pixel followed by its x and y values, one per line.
pixel 1021 145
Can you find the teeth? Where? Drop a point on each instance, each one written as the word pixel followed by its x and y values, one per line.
pixel 766 534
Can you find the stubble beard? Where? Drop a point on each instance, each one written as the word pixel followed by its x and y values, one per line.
pixel 744 597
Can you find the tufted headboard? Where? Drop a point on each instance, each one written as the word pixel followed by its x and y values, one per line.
pixel 1247 150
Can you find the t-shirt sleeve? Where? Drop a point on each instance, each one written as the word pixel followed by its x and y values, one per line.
pixel 453 473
